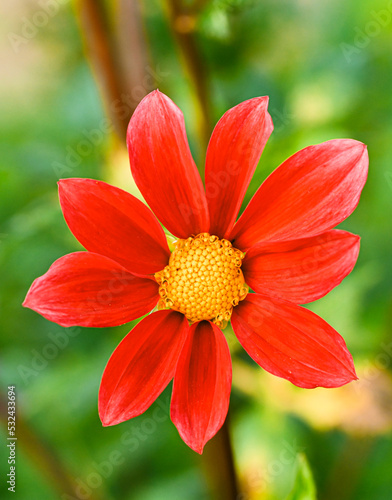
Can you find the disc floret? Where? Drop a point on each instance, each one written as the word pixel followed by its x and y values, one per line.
pixel 203 279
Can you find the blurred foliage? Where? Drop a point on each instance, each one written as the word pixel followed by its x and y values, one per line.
pixel 304 488
pixel 327 68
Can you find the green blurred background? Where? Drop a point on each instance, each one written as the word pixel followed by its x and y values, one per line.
pixel 71 73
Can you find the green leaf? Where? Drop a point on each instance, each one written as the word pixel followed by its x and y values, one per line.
pixel 304 488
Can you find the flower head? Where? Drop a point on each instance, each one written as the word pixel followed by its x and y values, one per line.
pixel 283 247
pixel 203 280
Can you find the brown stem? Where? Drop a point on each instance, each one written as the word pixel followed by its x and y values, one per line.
pixel 132 52
pixel 219 466
pixel 183 23
pixel 100 51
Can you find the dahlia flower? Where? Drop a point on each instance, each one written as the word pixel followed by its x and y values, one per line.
pixel 256 271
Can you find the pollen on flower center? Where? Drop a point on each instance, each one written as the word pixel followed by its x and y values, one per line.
pixel 203 279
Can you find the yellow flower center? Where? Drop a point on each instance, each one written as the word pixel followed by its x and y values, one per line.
pixel 203 279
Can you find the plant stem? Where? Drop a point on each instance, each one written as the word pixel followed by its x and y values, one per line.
pixel 219 466
pixel 182 23
pixel 100 52
pixel 132 52
pixel 118 59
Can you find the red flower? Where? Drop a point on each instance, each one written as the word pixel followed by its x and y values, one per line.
pixel 283 246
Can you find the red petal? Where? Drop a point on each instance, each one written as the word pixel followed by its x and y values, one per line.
pixel 202 383
pixel 292 342
pixel 141 366
pixel 311 192
pixel 88 289
pixel 233 153
pixel 112 222
pixel 304 270
pixel 163 167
